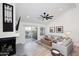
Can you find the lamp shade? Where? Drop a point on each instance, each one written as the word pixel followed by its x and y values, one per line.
pixel 67 34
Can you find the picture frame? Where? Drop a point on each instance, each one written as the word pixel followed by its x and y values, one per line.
pixel 7 17
pixel 52 29
pixel 59 29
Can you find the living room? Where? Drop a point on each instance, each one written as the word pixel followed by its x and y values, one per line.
pixel 53 27
pixel 62 18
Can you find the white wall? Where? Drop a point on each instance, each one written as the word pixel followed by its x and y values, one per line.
pixel 70 21
pixel 6 34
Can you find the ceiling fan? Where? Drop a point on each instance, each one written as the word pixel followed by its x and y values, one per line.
pixel 46 16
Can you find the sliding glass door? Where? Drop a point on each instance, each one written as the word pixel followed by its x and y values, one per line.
pixel 31 32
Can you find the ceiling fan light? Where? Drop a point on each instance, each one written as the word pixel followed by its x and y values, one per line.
pixel 46 16
pixel 44 13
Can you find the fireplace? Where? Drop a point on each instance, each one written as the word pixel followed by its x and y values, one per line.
pixel 7 46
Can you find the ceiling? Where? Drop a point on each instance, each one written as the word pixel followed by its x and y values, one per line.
pixel 30 12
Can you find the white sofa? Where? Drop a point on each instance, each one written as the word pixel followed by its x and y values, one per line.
pixel 65 48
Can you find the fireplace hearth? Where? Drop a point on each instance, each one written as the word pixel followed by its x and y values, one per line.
pixel 7 46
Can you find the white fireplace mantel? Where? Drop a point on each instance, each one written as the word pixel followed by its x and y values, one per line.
pixel 4 35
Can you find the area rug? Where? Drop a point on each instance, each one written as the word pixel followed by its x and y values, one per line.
pixel 44 45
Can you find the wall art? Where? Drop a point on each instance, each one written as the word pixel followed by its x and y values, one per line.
pixel 59 29
pixel 52 29
pixel 7 17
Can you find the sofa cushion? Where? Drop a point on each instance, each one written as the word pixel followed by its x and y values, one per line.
pixel 47 42
pixel 60 38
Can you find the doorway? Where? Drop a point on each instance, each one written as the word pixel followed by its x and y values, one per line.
pixel 30 33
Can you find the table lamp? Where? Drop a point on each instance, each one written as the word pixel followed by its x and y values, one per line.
pixel 67 34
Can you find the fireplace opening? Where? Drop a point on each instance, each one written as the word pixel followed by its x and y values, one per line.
pixel 7 46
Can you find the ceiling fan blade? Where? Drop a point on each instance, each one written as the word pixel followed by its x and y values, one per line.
pixel 47 15
pixel 41 15
pixel 51 16
pixel 46 18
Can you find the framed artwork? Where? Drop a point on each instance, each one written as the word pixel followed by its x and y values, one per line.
pixel 42 30
pixel 7 17
pixel 59 29
pixel 52 29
